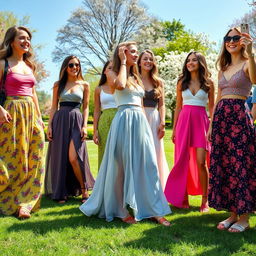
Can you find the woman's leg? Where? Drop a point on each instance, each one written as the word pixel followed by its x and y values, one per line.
pixel 76 168
pixel 203 176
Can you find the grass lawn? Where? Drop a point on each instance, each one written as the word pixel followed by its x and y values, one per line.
pixel 64 230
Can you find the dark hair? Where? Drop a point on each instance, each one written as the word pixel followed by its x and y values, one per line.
pixel 103 77
pixel 203 73
pixel 63 76
pixel 6 48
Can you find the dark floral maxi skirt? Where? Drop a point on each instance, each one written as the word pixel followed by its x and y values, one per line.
pixel 232 184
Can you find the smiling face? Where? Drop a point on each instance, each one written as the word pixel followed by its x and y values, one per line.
pixel 21 42
pixel 192 63
pixel 233 47
pixel 73 67
pixel 131 55
pixel 146 62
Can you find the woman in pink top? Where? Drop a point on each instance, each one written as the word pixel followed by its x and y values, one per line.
pixel 233 154
pixel 190 175
pixel 21 128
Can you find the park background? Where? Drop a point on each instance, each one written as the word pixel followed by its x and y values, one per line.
pixel 171 28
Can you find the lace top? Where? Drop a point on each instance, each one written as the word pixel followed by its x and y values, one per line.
pixel 238 84
pixel 149 99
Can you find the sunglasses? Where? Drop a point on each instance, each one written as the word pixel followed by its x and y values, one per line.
pixel 235 39
pixel 71 65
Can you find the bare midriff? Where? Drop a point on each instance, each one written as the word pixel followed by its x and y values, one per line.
pixel 234 97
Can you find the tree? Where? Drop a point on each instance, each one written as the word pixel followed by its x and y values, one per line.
pixel 8 19
pixel 93 31
pixel 167 36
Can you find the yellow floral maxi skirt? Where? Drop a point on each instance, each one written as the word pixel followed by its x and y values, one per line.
pixel 21 157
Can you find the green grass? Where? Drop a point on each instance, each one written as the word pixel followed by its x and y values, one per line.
pixel 64 230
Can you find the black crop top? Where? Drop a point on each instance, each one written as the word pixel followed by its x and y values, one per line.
pixel 149 99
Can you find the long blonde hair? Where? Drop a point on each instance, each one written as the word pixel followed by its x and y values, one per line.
pixel 6 48
pixel 133 71
pixel 154 75
pixel 224 58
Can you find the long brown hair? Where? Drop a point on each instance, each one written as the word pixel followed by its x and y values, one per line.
pixel 154 75
pixel 224 58
pixel 6 48
pixel 134 69
pixel 63 76
pixel 103 77
pixel 203 73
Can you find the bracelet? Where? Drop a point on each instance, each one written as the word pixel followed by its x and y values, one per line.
pixel 123 64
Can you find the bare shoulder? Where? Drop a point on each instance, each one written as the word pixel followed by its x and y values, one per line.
pixel 85 84
pixel 56 84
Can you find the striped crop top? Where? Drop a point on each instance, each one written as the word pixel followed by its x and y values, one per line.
pixel 238 84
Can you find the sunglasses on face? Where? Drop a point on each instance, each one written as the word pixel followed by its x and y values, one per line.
pixel 71 65
pixel 235 39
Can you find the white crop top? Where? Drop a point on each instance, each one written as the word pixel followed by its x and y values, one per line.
pixel 107 100
pixel 199 99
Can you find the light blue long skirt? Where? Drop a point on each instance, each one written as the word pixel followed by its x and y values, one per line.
pixel 128 174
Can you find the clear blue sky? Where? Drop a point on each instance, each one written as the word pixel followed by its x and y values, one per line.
pixel 211 17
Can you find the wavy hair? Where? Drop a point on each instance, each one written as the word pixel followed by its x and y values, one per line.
pixel 6 48
pixel 154 75
pixel 203 73
pixel 224 58
pixel 134 69
pixel 63 76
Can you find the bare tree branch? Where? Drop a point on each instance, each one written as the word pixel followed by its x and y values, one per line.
pixel 92 31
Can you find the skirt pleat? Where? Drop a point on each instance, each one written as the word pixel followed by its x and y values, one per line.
pixel 153 118
pixel 128 173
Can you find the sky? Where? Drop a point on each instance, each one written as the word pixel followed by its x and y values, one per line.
pixel 212 17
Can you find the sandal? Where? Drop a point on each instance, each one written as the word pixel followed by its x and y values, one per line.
pixel 24 213
pixel 238 228
pixel 163 221
pixel 225 224
pixel 84 199
pixel 129 220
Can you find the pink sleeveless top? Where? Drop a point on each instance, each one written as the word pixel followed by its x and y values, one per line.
pixel 19 84
pixel 238 84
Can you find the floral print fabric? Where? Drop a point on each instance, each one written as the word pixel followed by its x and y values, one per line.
pixel 233 158
pixel 21 157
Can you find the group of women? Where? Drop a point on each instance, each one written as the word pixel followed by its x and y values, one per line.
pixel 215 159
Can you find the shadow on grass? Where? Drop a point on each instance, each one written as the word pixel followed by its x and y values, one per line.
pixel 195 231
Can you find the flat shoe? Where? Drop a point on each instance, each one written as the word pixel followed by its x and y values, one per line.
pixel 163 221
pixel 129 220
pixel 238 228
pixel 225 224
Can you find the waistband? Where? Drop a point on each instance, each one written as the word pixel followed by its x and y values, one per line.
pixel 135 107
pixel 19 98
pixel 70 104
